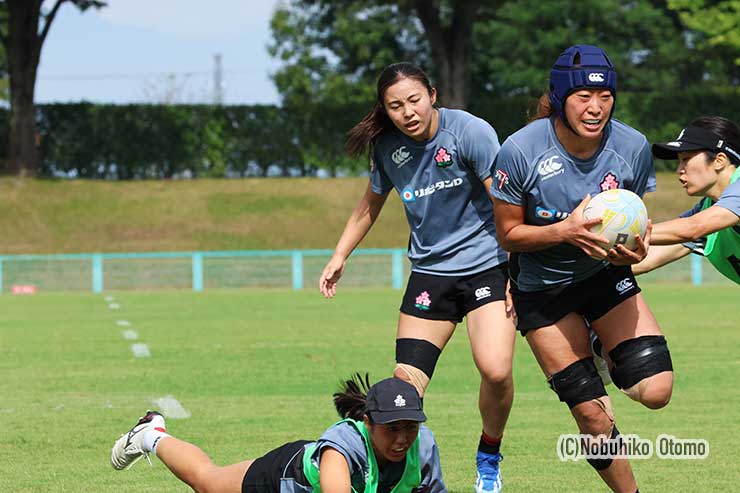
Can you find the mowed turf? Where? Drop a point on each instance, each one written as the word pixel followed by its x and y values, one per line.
pixel 256 368
pixel 73 216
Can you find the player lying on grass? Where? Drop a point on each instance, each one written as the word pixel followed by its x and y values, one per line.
pixel 708 153
pixel 379 446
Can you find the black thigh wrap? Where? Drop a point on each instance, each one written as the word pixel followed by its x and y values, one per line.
pixel 639 358
pixel 577 383
pixel 418 353
pixel 601 464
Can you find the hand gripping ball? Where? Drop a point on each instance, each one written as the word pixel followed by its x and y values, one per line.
pixel 623 217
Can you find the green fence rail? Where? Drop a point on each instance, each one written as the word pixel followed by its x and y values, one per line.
pixel 100 272
pixel 198 271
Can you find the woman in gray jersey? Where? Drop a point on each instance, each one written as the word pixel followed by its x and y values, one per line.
pixel 708 154
pixel 562 279
pixel 380 446
pixel 439 161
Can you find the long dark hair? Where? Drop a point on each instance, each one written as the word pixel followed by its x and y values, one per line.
pixel 725 129
pixel 542 108
pixel 360 138
pixel 351 400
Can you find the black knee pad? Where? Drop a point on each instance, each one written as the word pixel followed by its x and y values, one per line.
pixel 601 464
pixel 577 383
pixel 418 353
pixel 639 358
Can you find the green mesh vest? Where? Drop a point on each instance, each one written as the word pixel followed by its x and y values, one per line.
pixel 410 479
pixel 723 247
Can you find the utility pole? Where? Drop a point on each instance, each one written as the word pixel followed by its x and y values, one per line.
pixel 218 90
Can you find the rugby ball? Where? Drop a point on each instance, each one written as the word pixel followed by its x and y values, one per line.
pixel 623 216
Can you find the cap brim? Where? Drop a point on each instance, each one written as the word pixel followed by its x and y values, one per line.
pixel 382 418
pixel 668 152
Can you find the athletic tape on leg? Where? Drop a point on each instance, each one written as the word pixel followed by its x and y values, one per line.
pixel 639 358
pixel 577 383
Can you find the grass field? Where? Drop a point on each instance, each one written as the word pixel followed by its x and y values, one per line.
pixel 256 368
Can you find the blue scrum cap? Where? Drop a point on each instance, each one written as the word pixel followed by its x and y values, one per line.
pixel 577 67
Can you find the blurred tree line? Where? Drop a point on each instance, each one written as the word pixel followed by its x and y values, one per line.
pixel 676 59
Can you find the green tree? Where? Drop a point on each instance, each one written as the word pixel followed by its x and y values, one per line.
pixel 718 20
pixel 332 51
pixel 24 26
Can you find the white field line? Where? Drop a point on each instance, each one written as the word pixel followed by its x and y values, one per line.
pixel 114 306
pixel 171 407
pixel 130 335
pixel 141 350
pixel 123 323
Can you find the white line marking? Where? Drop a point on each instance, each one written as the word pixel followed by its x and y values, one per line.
pixel 123 323
pixel 171 407
pixel 114 306
pixel 141 350
pixel 131 335
pixel 109 298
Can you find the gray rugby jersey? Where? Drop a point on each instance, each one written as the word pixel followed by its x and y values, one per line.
pixel 450 215
pixel 345 439
pixel 535 171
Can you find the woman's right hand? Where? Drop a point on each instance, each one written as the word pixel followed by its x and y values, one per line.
pixel 577 231
pixel 330 276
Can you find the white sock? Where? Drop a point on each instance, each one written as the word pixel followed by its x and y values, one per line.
pixel 151 439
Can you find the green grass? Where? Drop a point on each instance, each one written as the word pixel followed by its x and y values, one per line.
pixel 46 216
pixel 256 368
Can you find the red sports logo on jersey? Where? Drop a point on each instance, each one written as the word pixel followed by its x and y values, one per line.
pixel 442 158
pixel 609 182
pixel 502 177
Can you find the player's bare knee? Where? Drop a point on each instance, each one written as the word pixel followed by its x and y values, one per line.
pixel 643 370
pixel 497 377
pixel 654 392
pixel 412 375
pixel 415 362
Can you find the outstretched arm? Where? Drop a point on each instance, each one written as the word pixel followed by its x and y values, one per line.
pixel 358 225
pixel 658 256
pixel 334 474
pixel 701 224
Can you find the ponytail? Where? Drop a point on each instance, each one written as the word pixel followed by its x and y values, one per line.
pixel 543 108
pixel 351 400
pixel 361 137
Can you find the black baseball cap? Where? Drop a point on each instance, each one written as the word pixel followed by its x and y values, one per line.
pixel 695 139
pixel 392 400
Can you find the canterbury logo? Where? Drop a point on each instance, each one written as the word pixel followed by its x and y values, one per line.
pixel 400 401
pixel 401 156
pixel 595 77
pixel 550 167
pixel 624 285
pixel 483 292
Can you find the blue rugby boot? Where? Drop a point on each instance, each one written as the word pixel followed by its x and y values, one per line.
pixel 489 476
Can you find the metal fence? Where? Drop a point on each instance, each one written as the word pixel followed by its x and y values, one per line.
pixel 98 272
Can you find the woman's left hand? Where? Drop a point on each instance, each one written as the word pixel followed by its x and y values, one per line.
pixel 623 256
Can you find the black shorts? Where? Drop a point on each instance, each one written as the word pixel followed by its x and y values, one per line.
pixel 452 297
pixel 265 473
pixel 592 298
